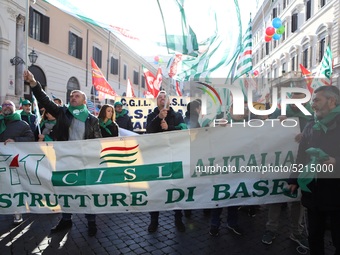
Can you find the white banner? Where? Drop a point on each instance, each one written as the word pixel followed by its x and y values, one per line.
pixel 139 108
pixel 188 169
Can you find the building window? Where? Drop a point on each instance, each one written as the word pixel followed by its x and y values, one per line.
pixel 284 4
pixel 283 68
pixel 285 32
pixel 125 72
pixel 293 63
pixel 294 22
pixel 114 66
pixel 267 48
pixel 322 3
pixel 143 81
pixel 75 45
pixel 311 57
pixel 308 9
pixel 135 77
pixel 274 13
pixel 305 58
pixel 322 48
pixel 97 56
pixel 72 84
pixel 39 26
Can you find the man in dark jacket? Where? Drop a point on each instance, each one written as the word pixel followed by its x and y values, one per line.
pixel 319 190
pixel 13 129
pixel 122 117
pixel 163 119
pixel 74 122
pixel 29 117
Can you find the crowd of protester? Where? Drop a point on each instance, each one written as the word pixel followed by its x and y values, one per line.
pixel 61 122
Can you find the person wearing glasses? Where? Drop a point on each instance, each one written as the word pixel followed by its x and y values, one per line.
pixel 13 129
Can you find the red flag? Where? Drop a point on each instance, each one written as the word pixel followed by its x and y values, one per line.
pixel 178 90
pixel 309 78
pixel 152 82
pixel 129 89
pixel 99 81
pixel 147 94
pixel 158 82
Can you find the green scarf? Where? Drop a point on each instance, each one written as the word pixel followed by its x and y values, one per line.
pixel 12 117
pixel 317 156
pixel 79 112
pixel 322 124
pixel 121 114
pixel 104 125
pixel 181 126
pixel 42 123
pixel 291 113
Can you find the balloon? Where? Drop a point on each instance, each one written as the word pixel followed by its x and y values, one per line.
pixel 276 37
pixel 256 73
pixel 156 58
pixel 267 38
pixel 155 62
pixel 270 31
pixel 280 30
pixel 160 60
pixel 277 22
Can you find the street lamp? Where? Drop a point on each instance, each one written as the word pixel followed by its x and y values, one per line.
pixel 33 57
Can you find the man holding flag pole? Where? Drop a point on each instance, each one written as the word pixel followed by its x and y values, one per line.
pixel 164 119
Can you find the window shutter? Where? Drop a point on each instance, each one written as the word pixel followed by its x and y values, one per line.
pixel 45 30
pixel 80 48
pixel 30 30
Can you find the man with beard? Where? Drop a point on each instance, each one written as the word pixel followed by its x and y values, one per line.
pixel 13 129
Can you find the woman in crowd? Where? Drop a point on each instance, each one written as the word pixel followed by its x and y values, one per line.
pixel 107 116
pixel 46 127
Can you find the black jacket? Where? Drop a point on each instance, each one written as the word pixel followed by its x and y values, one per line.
pixel 113 127
pixel 173 119
pixel 18 130
pixel 64 118
pixel 326 187
pixel 123 120
pixel 191 119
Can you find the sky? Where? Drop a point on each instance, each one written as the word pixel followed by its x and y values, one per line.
pixel 143 18
pixel 147 50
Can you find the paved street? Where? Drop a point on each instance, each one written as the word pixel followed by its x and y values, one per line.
pixel 127 234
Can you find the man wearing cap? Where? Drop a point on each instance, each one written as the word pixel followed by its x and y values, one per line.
pixel 164 119
pixel 28 116
pixel 74 122
pixel 13 129
pixel 122 117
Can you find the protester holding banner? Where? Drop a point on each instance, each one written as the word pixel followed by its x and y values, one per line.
pixel 74 122
pixel 319 147
pixel 108 126
pixel 13 129
pixel 296 210
pixel 163 119
pixel 122 117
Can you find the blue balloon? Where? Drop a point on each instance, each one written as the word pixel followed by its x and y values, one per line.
pixel 276 37
pixel 277 22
